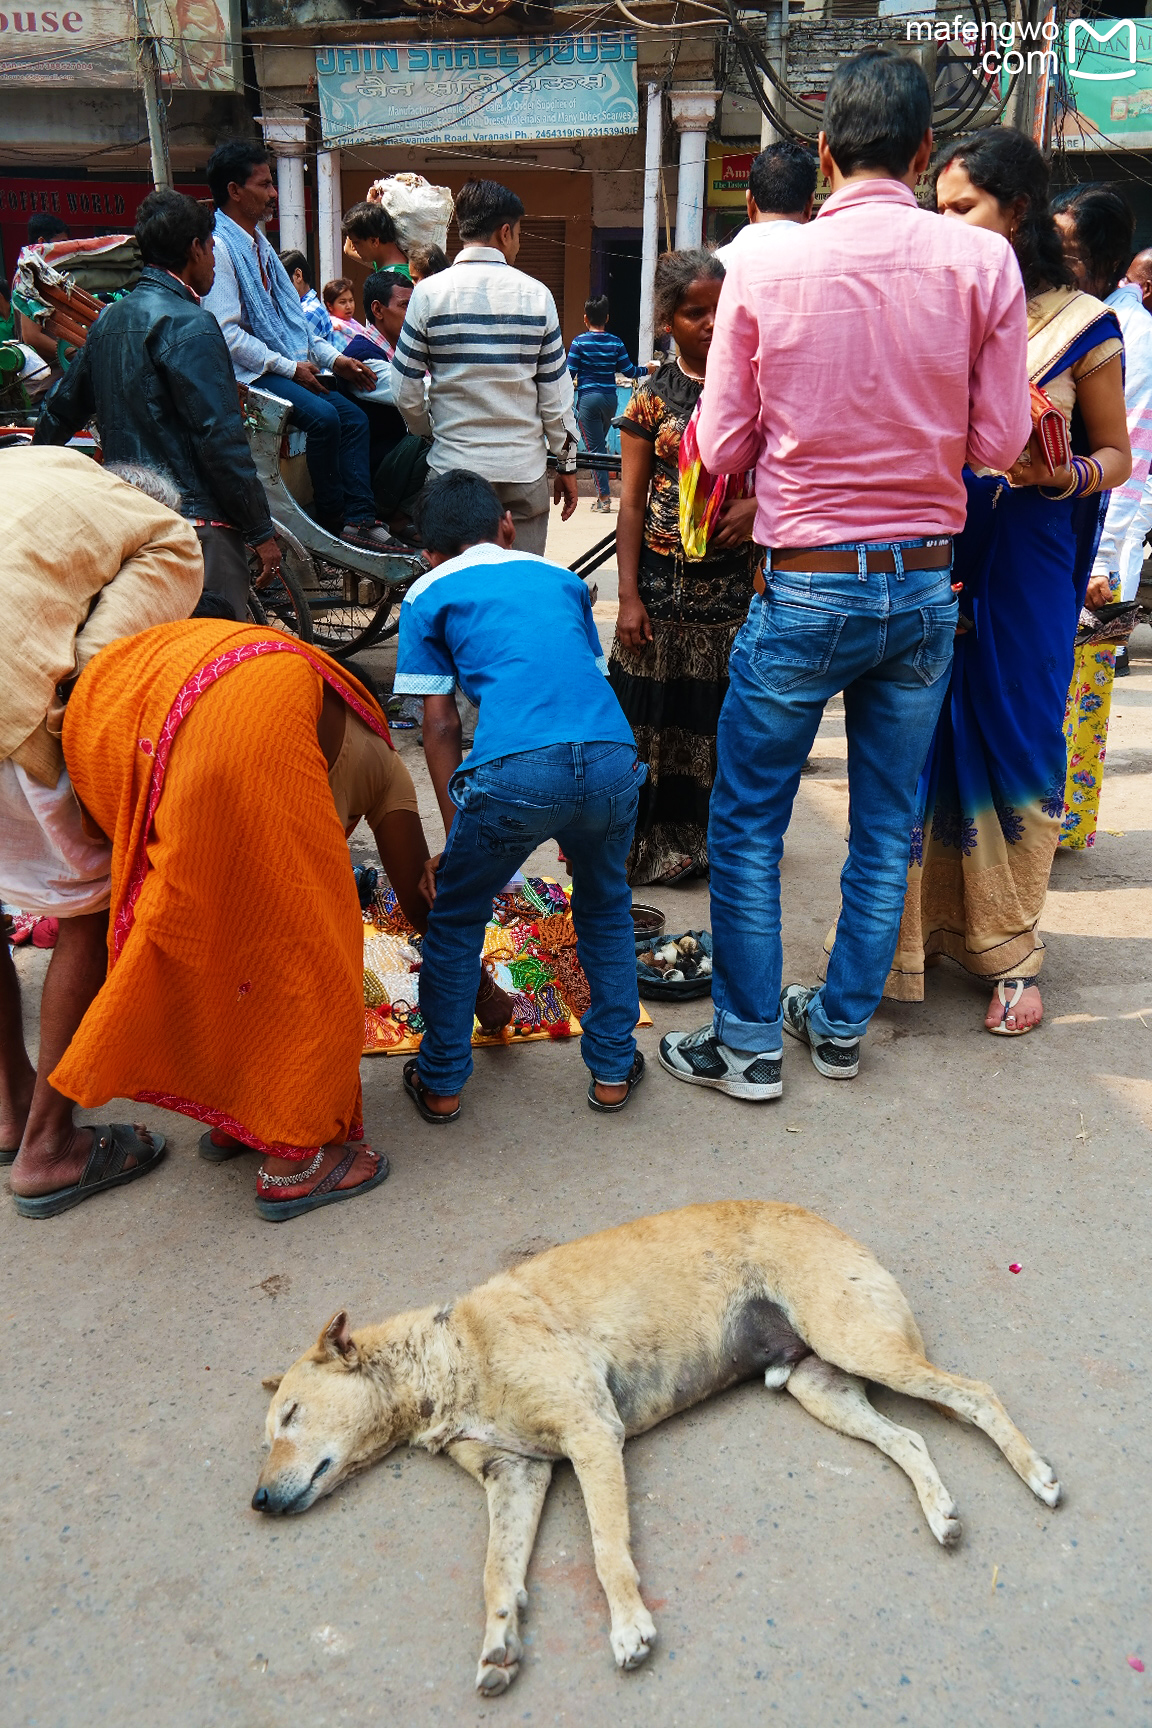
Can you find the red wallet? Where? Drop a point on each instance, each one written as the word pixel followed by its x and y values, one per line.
pixel 1051 430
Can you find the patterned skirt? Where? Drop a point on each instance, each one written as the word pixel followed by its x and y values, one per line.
pixel 1086 733
pixel 671 691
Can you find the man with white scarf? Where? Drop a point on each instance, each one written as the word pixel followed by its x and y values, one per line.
pixel 1120 555
pixel 258 309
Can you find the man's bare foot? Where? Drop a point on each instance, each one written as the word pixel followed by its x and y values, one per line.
pixel 364 1165
pixel 611 1094
pixel 40 1170
pixel 441 1103
pixel 1029 1011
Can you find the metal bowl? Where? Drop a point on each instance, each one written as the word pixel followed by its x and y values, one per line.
pixel 649 924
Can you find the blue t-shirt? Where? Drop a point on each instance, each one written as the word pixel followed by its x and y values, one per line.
pixel 517 634
pixel 595 358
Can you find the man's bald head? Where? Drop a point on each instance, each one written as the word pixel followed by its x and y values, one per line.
pixel 1140 272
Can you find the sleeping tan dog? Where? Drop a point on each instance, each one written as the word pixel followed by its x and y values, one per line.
pixel 577 1349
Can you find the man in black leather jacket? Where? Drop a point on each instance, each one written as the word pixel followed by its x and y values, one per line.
pixel 156 375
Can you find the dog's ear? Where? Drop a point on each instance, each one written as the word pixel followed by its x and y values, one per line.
pixel 336 1339
pixel 271 1382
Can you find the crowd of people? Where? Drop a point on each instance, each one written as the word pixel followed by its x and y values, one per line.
pixel 897 454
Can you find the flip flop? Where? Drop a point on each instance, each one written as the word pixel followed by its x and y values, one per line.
pixel 1018 986
pixel 9 1154
pixel 113 1144
pixel 634 1078
pixel 416 1089
pixel 213 1154
pixel 327 1190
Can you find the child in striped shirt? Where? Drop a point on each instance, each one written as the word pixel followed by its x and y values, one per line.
pixel 594 360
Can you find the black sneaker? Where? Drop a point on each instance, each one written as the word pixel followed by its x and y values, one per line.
pixel 836 1058
pixel 701 1060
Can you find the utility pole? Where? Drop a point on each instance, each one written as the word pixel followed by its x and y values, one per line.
pixel 148 55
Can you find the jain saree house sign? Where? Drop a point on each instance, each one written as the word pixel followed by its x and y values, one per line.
pixel 486 92
pixel 92 43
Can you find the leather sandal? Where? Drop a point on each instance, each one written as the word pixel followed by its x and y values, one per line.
pixel 327 1190
pixel 213 1153
pixel 635 1076
pixel 417 1091
pixel 113 1143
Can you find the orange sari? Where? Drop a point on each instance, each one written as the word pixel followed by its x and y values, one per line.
pixel 235 975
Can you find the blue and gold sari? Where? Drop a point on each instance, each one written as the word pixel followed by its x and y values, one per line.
pixel 991 795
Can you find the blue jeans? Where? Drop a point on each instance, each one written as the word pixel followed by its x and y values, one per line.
pixel 584 796
pixel 886 642
pixel 596 410
pixel 337 452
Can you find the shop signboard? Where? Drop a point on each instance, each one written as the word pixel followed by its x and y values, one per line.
pixel 497 91
pixel 92 43
pixel 728 177
pixel 1107 79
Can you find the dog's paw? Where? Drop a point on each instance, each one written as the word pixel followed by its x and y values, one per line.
pixel 944 1524
pixel 491 1681
pixel 632 1643
pixel 1043 1483
pixel 499 1666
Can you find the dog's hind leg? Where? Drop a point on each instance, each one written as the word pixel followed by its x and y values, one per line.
pixel 973 1402
pixel 515 1488
pixel 597 1456
pixel 840 1401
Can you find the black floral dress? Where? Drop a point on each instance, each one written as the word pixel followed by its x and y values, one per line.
pixel 672 688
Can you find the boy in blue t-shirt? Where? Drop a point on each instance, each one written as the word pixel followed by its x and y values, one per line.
pixel 594 360
pixel 553 759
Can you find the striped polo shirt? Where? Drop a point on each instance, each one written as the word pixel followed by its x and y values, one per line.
pixel 595 358
pixel 498 396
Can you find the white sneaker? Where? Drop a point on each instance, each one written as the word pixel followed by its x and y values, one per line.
pixel 702 1060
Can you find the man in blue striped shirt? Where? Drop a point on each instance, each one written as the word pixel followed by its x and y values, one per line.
pixel 594 360
pixel 499 397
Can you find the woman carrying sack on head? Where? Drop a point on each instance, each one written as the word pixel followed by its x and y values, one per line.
pixel 685 559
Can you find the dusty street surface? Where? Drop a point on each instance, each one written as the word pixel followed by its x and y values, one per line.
pixel 791 1574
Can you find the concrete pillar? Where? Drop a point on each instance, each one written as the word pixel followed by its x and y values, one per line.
pixel 692 110
pixel 286 135
pixel 653 147
pixel 330 208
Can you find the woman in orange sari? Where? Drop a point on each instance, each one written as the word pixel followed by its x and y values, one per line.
pixel 210 754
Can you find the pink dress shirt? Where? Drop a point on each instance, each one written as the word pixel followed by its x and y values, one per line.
pixel 861 366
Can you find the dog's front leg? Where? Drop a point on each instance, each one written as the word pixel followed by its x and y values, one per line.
pixel 515 1488
pixel 598 1460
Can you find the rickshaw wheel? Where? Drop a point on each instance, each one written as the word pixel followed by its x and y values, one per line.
pixel 282 606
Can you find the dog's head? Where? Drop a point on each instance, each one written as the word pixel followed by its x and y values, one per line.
pixel 331 1415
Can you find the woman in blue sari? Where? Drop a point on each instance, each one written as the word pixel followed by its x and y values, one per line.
pixel 992 792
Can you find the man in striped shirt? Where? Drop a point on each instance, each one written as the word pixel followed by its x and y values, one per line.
pixel 499 396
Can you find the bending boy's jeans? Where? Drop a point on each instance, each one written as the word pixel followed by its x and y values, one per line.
pixel 596 410
pixel 585 796
pixel 886 642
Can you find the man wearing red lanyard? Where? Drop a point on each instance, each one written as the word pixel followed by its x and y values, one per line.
pixel 156 376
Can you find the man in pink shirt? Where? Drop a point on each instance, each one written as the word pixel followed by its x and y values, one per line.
pixel 858 369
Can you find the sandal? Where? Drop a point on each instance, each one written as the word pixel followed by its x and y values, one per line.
pixel 213 1153
pixel 112 1145
pixel 633 1080
pixel 1018 987
pixel 416 1089
pixel 327 1190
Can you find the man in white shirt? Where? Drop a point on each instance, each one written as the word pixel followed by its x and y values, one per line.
pixel 1129 514
pixel 781 189
pixel 500 395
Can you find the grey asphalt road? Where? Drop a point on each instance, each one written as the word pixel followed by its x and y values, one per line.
pixel 789 1569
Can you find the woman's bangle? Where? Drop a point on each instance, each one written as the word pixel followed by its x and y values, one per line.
pixel 1092 476
pixel 1069 491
